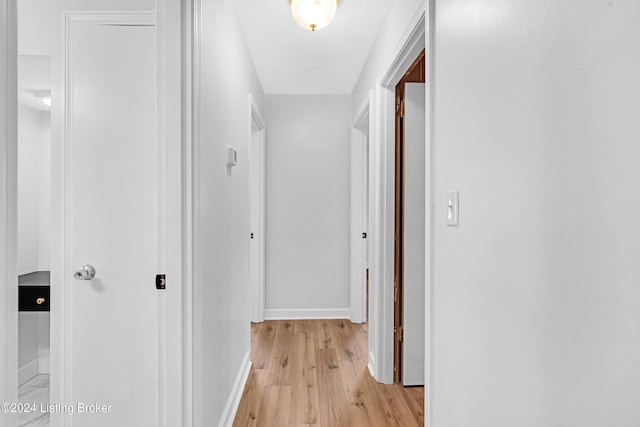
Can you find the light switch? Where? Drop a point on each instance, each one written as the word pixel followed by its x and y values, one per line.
pixel 452 208
pixel 232 156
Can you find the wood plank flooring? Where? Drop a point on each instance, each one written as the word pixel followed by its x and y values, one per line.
pixel 314 373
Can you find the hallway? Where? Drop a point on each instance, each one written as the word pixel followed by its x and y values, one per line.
pixel 314 372
pixel 249 166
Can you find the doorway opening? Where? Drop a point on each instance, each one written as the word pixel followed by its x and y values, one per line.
pixel 359 211
pixel 409 246
pixel 34 225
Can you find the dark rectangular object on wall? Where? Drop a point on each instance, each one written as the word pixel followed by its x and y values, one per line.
pixel 33 298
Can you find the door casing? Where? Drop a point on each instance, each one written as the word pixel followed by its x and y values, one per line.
pixel 174 135
pixel 415 73
pixel 381 269
pixel 359 235
pixel 8 208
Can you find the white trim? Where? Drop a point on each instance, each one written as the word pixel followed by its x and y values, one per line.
pixel 407 49
pixel 8 207
pixel 360 120
pixel 257 262
pixel 161 124
pixel 381 273
pixel 383 270
pixel 371 365
pixel 174 303
pixel 358 187
pixel 184 310
pixel 28 371
pixel 430 163
pixel 307 313
pixel 44 365
pixel 256 114
pixel 197 414
pixel 231 408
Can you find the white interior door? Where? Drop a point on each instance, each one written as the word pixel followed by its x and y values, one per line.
pixel 414 229
pixel 365 223
pixel 257 213
pixel 111 220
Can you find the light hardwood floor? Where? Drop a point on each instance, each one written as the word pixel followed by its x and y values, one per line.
pixel 314 373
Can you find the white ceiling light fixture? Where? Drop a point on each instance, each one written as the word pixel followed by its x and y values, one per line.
pixel 313 14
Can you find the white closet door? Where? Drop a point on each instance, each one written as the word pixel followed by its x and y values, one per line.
pixel 111 221
pixel 414 232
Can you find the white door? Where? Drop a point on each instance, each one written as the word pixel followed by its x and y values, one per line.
pixel 111 221
pixel 414 229
pixel 257 214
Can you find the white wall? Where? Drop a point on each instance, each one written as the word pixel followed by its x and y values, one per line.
pixel 40 21
pixel 27 346
pixel 228 76
pixel 398 16
pixel 536 293
pixel 34 221
pixel 34 192
pixel 308 140
pixel 28 191
pixel 33 345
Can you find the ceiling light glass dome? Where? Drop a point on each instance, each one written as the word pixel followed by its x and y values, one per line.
pixel 313 14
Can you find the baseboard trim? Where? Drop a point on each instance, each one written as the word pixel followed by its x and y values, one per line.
pixel 230 410
pixel 305 314
pixel 28 371
pixel 44 365
pixel 371 365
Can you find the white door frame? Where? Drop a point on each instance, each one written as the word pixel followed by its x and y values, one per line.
pixel 8 209
pixel 174 133
pixel 382 144
pixel 173 19
pixel 257 171
pixel 359 189
pixel 418 34
pixel 429 201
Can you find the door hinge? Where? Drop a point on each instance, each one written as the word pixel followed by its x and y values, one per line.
pixel 398 332
pixel 401 109
pixel 252 235
pixel 161 281
pixel 364 235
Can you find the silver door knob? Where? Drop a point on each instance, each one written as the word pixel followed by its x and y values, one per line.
pixel 86 272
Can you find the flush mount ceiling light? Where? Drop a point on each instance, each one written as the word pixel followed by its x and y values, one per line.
pixel 313 14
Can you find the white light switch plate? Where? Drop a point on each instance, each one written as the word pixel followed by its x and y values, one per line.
pixel 452 209
pixel 232 156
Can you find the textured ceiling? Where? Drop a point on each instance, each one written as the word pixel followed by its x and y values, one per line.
pixel 292 60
